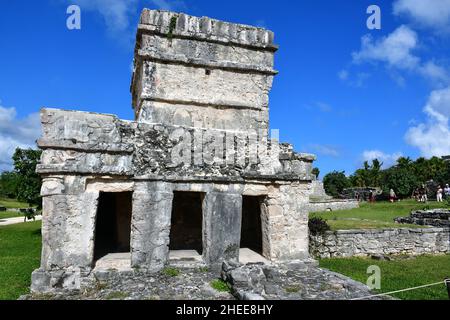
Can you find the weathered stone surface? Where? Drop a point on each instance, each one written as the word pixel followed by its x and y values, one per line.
pixel 295 281
pixel 332 205
pixel 436 218
pixel 200 92
pixel 363 243
pixel 253 282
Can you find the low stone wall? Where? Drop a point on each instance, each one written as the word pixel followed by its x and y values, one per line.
pixel 332 205
pixel 351 243
pixel 439 218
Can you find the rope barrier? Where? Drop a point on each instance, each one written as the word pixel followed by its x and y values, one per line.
pixel 404 290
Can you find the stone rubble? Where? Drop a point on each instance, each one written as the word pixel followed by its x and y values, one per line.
pixel 251 282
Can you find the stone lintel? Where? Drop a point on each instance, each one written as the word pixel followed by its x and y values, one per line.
pixel 201 63
pixel 126 148
pixel 216 104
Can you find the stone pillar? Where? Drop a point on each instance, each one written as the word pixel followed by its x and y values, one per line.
pixel 68 224
pixel 222 232
pixel 150 225
pixel 287 228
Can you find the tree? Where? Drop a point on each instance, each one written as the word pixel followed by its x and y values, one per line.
pixel 368 176
pixel 335 182
pixel 316 172
pixel 29 182
pixel 402 180
pixel 8 184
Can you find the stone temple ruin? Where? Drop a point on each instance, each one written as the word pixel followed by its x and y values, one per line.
pixel 195 172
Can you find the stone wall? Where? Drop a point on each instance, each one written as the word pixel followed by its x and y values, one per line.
pixel 437 218
pixel 332 205
pixel 361 243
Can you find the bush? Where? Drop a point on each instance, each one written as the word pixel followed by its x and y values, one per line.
pixel 318 226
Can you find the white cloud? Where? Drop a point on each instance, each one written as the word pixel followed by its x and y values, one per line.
pixel 428 13
pixel 324 150
pixel 343 75
pixel 388 160
pixel 321 106
pixel 396 50
pixel 434 72
pixel 15 133
pixel 433 137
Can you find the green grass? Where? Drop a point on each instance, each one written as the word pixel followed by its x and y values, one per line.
pixel 374 215
pixel 20 250
pixel 399 274
pixel 171 272
pixel 13 204
pixel 10 214
pixel 220 285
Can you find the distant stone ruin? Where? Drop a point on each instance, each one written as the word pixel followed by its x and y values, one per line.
pixel 196 173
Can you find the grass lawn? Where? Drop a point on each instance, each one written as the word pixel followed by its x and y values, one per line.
pixel 20 250
pixel 12 203
pixel 10 214
pixel 374 215
pixel 399 274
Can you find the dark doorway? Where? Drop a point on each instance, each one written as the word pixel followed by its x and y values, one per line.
pixel 113 224
pixel 251 230
pixel 187 222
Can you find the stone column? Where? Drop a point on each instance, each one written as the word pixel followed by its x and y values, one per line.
pixel 222 215
pixel 150 225
pixel 67 234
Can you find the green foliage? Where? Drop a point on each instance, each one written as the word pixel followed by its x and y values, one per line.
pixel 172 26
pixel 318 225
pixel 220 285
pixel 292 289
pixel 203 269
pixel 171 272
pixel 117 295
pixel 335 182
pixel 368 176
pixel 8 184
pixel 403 178
pixel 29 182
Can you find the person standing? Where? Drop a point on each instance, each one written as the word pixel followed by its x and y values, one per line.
pixel 439 194
pixel 447 191
pixel 392 195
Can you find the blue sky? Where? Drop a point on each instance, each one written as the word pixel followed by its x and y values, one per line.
pixel 344 92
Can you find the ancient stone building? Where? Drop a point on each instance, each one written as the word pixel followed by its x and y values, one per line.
pixel 197 170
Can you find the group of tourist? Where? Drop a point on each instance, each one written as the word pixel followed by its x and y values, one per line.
pixel 421 194
pixel 443 192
